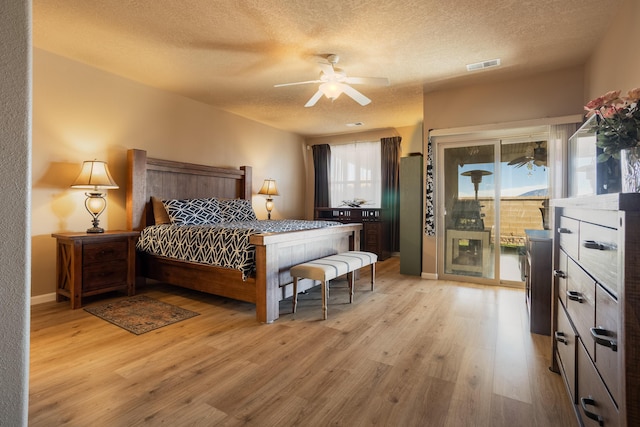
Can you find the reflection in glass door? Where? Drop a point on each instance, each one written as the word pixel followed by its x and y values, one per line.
pixel 483 237
pixel 468 210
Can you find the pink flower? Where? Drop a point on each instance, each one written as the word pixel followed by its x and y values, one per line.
pixel 633 95
pixel 607 100
pixel 609 111
pixel 611 96
pixel 594 104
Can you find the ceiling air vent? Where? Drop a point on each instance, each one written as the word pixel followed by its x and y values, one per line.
pixel 483 65
pixel 355 124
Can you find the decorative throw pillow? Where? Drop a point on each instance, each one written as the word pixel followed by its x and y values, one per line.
pixel 236 210
pixel 160 215
pixel 193 211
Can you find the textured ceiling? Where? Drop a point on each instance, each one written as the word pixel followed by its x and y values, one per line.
pixel 230 53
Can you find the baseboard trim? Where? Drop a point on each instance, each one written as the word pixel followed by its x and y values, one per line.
pixel 41 299
pixel 430 276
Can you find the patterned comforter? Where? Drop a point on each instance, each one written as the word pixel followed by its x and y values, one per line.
pixel 223 244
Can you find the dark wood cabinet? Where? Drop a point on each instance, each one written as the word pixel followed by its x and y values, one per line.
pixel 596 306
pixel 374 237
pixel 91 264
pixel 538 279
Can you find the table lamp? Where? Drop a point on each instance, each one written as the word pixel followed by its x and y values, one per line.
pixel 269 189
pixel 95 177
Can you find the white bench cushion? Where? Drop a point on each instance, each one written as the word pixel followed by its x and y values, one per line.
pixel 330 267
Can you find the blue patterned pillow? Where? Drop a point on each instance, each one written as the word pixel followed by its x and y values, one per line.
pixel 193 211
pixel 237 210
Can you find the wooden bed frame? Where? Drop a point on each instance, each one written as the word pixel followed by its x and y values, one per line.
pixel 275 252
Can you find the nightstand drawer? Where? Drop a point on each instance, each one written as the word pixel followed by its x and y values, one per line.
pixel 103 275
pixel 104 251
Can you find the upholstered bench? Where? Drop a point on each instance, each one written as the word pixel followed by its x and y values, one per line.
pixel 330 267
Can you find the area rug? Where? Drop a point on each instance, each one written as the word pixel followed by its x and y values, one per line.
pixel 140 314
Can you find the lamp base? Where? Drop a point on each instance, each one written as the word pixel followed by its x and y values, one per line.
pixel 95 230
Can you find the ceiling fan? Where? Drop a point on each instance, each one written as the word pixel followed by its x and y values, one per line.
pixel 334 81
pixel 537 156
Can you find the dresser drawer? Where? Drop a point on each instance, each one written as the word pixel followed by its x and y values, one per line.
pixel 561 275
pixel 103 275
pixel 581 302
pixel 605 336
pixel 599 254
pixel 566 340
pixel 568 233
pixel 594 403
pixel 104 251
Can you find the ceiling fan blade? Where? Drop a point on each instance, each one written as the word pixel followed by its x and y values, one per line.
pixel 520 161
pixel 314 99
pixel 298 83
pixel 376 81
pixel 357 96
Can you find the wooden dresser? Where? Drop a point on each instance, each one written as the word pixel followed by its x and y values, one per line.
pixel 374 227
pixel 596 310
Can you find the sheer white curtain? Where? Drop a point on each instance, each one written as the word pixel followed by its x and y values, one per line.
pixel 355 173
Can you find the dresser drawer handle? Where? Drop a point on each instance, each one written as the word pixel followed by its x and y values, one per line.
pixel 592 244
pixel 563 230
pixel 559 336
pixel 584 401
pixel 603 337
pixel 559 273
pixel 575 296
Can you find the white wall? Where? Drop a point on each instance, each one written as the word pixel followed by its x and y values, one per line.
pixel 15 141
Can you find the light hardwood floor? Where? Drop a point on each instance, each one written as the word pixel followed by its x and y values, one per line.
pixel 412 353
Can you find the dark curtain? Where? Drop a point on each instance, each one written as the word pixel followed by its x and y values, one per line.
pixel 390 172
pixel 322 167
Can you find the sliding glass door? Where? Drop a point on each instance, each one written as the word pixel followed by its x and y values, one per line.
pixel 490 192
pixel 468 179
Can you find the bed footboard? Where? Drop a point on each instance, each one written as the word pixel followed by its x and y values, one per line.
pixel 277 253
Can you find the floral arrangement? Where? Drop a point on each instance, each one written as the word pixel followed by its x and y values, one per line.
pixel 617 122
pixel 355 203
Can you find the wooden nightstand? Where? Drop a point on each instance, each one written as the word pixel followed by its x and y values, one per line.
pixel 91 264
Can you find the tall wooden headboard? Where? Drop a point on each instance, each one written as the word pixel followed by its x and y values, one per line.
pixel 166 179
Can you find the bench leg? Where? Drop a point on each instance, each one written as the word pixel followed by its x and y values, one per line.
pixel 373 275
pixel 351 278
pixel 325 286
pixel 295 294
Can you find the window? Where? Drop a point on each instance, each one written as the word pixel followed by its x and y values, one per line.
pixel 355 174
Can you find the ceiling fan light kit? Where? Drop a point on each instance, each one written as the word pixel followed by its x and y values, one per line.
pixel 334 82
pixel 331 90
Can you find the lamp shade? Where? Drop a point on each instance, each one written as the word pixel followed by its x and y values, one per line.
pixel 269 188
pixel 94 175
